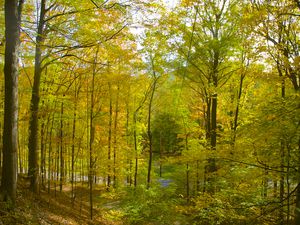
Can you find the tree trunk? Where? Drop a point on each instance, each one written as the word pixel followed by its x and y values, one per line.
pixel 297 209
pixel 73 145
pixel 149 133
pixel 135 114
pixel 109 137
pixel 213 139
pixel 187 172
pixel 282 153
pixel 42 154
pixel 1 145
pixel 33 170
pixel 237 109
pixel 92 135
pixel 115 134
pixel 50 159
pixel 211 167
pixel 160 154
pixel 288 184
pixel 19 157
pixel 135 148
pixel 208 118
pixel 13 10
pixel 281 182
pixel 129 159
pixel 62 161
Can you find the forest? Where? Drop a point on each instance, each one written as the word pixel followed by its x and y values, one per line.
pixel 150 112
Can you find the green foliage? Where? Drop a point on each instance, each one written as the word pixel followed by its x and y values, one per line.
pixel 156 205
pixel 166 135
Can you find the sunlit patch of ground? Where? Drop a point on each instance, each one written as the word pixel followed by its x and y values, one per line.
pixel 56 208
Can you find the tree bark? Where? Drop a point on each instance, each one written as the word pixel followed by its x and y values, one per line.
pixel 13 9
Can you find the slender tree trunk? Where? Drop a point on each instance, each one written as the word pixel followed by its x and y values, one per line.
pixel 297 209
pixel 208 118
pixel 91 170
pixel 33 170
pixel 187 172
pixel 109 136
pixel 288 184
pixel 92 135
pixel 57 166
pixel 50 158
pixel 282 155
pixel 19 156
pixel 213 142
pixel 73 147
pixel 237 109
pixel 135 148
pixel 211 167
pixel 24 153
pixel 149 133
pixel 42 166
pixel 13 9
pixel 281 182
pixel 115 134
pixel 129 160
pixel 135 114
pixel 62 160
pixel 160 154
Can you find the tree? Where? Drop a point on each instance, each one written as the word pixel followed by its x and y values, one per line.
pixel 33 170
pixel 41 61
pixel 276 23
pixel 166 130
pixel 13 10
pixel 149 131
pixel 209 42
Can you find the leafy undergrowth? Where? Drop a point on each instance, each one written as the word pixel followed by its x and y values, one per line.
pixel 56 208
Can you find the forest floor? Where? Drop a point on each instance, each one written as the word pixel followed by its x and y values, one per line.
pixel 57 208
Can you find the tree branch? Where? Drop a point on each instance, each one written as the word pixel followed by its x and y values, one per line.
pixel 99 6
pixel 65 13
